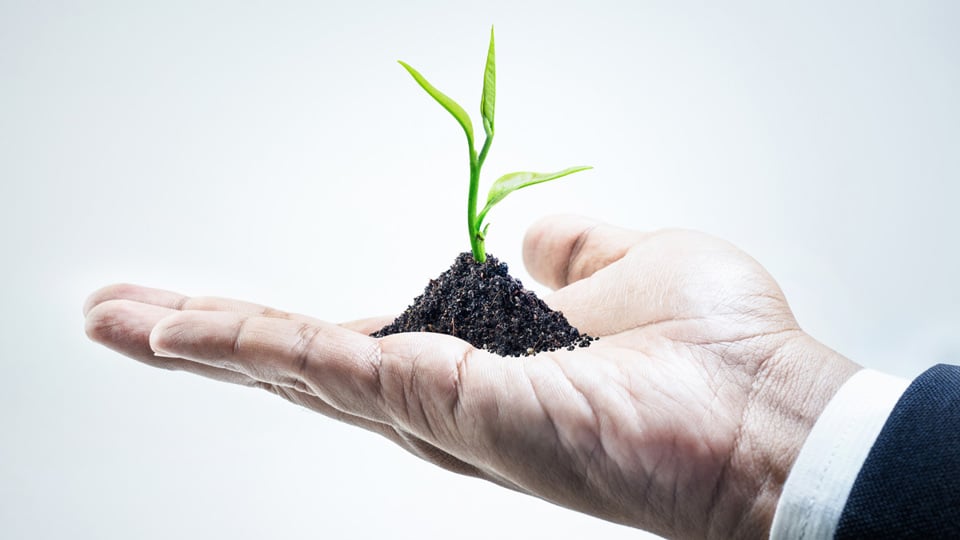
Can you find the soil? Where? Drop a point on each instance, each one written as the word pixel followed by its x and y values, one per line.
pixel 482 304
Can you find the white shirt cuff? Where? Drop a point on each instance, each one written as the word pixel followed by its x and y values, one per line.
pixel 821 479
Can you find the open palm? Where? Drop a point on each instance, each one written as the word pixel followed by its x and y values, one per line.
pixel 683 419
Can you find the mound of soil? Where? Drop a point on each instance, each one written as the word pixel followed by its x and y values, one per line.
pixel 483 305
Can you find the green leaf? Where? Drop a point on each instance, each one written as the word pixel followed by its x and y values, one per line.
pixel 489 97
pixel 509 183
pixel 450 105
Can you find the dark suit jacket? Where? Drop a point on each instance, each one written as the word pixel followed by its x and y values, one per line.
pixel 909 486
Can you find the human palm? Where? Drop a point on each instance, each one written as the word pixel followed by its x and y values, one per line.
pixel 683 419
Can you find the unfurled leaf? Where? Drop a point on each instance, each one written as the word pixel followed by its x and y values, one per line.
pixel 450 105
pixel 509 183
pixel 489 97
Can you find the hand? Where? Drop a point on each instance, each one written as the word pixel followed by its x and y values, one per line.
pixel 684 419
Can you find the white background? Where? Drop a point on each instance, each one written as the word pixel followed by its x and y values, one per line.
pixel 274 151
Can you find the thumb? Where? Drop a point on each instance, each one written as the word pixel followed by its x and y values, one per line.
pixel 559 250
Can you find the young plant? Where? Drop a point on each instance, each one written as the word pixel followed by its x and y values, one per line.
pixel 504 185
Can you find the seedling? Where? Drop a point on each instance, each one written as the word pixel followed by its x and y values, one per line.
pixel 504 185
pixel 476 299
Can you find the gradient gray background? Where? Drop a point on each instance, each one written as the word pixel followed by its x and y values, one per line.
pixel 274 151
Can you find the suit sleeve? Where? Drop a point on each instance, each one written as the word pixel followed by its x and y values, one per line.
pixel 833 454
pixel 909 485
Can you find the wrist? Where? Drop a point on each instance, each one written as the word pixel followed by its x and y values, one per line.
pixel 790 390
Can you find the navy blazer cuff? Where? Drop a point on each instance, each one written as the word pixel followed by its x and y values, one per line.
pixel 909 485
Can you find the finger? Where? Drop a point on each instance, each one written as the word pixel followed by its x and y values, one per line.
pixel 337 365
pixel 177 301
pixel 125 325
pixel 414 381
pixel 180 302
pixel 560 250
pixel 140 308
pixel 136 293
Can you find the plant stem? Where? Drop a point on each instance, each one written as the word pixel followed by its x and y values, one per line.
pixel 483 154
pixel 476 242
pixel 473 224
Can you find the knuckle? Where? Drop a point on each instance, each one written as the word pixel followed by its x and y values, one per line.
pixel 274 313
pixel 302 349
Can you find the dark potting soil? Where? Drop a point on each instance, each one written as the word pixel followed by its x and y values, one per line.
pixel 483 305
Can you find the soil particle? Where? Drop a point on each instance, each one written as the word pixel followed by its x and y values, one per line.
pixel 483 305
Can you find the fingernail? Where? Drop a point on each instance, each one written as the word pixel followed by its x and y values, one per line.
pixel 162 354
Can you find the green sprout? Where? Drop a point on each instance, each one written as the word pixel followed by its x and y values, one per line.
pixel 504 185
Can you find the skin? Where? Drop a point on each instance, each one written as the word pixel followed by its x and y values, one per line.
pixel 684 419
